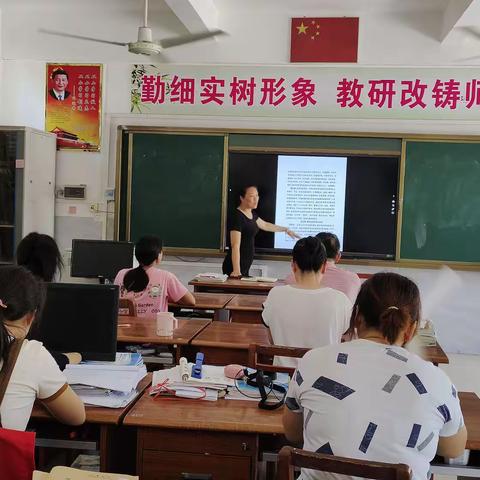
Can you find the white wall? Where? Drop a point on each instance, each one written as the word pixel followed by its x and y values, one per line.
pixel 259 34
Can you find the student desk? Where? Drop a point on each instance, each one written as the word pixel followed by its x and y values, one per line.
pixel 207 301
pixel 144 330
pixel 234 286
pixel 224 343
pixel 435 354
pixel 471 412
pixel 178 436
pixel 246 308
pixel 249 308
pixel 221 438
pixel 101 424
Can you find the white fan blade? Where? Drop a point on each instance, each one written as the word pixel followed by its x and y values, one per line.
pixel 81 37
pixel 181 40
pixel 470 31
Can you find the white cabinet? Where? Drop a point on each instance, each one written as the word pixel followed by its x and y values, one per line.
pixel 27 186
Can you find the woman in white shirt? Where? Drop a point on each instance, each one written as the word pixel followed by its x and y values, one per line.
pixel 372 399
pixel 306 314
pixel 35 375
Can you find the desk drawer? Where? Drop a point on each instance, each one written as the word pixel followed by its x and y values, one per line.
pixel 174 465
pixel 195 441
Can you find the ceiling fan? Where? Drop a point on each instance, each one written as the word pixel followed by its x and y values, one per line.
pixel 145 44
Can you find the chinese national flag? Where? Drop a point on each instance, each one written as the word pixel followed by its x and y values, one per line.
pixel 324 40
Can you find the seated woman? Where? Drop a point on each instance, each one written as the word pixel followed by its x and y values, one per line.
pixel 372 399
pixel 36 375
pixel 39 253
pixel 149 287
pixel 306 314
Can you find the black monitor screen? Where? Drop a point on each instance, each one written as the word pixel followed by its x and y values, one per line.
pixel 100 258
pixel 353 196
pixel 80 318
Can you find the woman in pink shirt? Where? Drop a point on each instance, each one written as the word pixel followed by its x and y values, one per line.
pixel 149 287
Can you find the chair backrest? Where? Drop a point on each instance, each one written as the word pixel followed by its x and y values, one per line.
pixel 290 458
pixel 126 306
pixel 260 357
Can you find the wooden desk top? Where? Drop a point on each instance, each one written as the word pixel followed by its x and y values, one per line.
pixel 251 303
pixel 471 413
pixel 232 335
pixel 109 416
pixel 236 284
pixel 223 415
pixel 144 330
pixel 245 416
pixel 435 354
pixel 208 301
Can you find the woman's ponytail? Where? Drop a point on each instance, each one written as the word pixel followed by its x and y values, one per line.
pixel 389 303
pixel 392 321
pixel 147 250
pixel 136 280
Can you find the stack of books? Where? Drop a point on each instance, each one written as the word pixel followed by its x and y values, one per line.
pixel 107 384
pixel 171 382
pixel 211 277
pixel 426 336
pixel 159 354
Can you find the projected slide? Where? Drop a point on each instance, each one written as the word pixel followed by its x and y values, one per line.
pixel 310 196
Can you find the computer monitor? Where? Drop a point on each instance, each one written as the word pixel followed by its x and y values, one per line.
pixel 80 318
pixel 100 258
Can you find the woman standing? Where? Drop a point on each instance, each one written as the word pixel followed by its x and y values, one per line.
pixel 243 226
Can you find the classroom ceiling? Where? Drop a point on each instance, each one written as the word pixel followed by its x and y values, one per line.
pixel 449 26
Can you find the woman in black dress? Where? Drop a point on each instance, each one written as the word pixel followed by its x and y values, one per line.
pixel 243 226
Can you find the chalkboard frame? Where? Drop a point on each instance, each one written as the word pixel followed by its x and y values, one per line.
pixel 123 191
pixel 403 137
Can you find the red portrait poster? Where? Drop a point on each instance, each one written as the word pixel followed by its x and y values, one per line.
pixel 73 100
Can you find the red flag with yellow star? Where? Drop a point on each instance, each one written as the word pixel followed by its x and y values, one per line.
pixel 324 40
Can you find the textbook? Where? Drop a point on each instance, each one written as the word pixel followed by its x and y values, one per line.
pixel 107 384
pixel 211 386
pixel 103 397
pixel 259 279
pixel 211 277
pixel 121 358
pixel 67 473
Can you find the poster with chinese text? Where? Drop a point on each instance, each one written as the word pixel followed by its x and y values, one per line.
pixel 73 100
pixel 289 91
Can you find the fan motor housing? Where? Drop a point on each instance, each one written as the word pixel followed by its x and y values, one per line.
pixel 145 48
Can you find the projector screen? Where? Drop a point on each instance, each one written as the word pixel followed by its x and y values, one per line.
pixel 310 196
pixel 353 196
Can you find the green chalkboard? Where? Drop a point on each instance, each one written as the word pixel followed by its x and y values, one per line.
pixel 176 189
pixel 441 205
